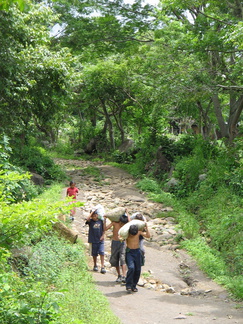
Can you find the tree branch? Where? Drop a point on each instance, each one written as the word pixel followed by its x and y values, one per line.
pixel 237 88
pixel 213 18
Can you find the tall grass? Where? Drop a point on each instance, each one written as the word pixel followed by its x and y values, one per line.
pixel 46 280
pixel 212 224
pixel 64 268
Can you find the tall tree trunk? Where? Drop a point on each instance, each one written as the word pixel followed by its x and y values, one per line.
pixel 229 130
pixel 218 113
pixel 109 124
pixel 236 107
pixel 118 119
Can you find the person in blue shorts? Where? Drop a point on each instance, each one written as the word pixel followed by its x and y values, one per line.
pixel 96 239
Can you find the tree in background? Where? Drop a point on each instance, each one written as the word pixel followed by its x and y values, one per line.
pixel 212 32
pixel 181 64
pixel 35 81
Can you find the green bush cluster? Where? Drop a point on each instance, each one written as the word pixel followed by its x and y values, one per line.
pixel 15 184
pixel 36 159
pixel 44 279
pixel 122 157
pixel 149 185
pixel 207 201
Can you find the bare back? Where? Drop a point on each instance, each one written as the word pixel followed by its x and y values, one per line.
pixel 116 226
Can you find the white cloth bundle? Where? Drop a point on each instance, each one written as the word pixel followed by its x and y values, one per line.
pixel 115 214
pixel 133 216
pixel 123 231
pixel 100 211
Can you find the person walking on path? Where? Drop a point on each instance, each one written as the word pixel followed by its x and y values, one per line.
pixel 139 216
pixel 117 258
pixel 72 191
pixel 133 256
pixel 96 239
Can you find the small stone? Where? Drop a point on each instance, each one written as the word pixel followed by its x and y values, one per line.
pixel 171 231
pixel 170 290
pixel 149 286
pixel 185 291
pixel 152 281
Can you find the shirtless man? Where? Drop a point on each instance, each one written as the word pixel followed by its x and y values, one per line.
pixel 117 258
pixel 133 256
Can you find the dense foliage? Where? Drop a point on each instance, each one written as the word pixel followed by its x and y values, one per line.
pixel 105 71
pixel 86 77
pixel 206 194
pixel 41 275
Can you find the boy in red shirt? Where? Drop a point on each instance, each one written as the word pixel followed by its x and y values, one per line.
pixel 72 191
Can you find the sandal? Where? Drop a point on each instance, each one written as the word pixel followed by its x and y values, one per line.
pixel 129 290
pixel 135 289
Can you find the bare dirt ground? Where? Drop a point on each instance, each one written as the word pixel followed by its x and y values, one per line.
pixel 197 300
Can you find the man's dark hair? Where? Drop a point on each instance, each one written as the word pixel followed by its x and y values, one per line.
pixel 139 216
pixel 133 229
pixel 123 219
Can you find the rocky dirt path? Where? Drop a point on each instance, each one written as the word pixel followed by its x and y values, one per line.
pixel 171 287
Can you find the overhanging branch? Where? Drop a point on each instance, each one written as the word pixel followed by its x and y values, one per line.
pixel 236 88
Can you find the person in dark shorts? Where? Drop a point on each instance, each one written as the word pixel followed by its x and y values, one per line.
pixel 117 258
pixel 96 239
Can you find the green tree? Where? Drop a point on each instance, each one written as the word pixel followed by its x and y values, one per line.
pixel 5 4
pixel 212 31
pixel 35 81
pixel 105 87
pixel 96 29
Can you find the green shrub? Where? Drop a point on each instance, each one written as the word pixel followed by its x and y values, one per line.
pixel 36 159
pixel 166 198
pixel 48 257
pixel 189 224
pixel 62 149
pixel 184 145
pixel 24 301
pixel 187 171
pixel 15 185
pixel 57 289
pixel 223 224
pixel 234 285
pixel 26 222
pixel 149 185
pixel 122 157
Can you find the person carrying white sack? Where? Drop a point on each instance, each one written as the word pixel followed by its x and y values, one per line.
pixel 133 254
pixel 99 210
pixel 140 216
pixel 117 258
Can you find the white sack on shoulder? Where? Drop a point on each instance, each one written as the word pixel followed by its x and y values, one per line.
pixel 123 231
pixel 133 216
pixel 99 209
pixel 115 214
